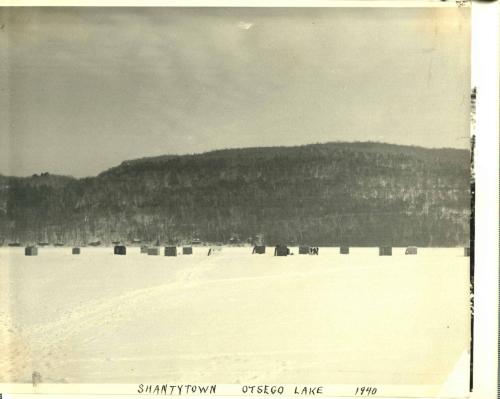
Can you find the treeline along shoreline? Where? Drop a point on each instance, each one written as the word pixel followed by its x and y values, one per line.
pixel 332 194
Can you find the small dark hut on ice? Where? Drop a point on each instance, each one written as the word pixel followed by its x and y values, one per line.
pixel 120 250
pixel 281 250
pixel 153 251
pixel 170 251
pixel 411 251
pixel 385 251
pixel 259 249
pixel 31 251
pixel 304 250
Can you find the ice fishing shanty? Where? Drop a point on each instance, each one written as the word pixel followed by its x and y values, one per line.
pixel 120 250
pixel 411 251
pixel 75 251
pixel 385 251
pixel 31 250
pixel 187 250
pixel 281 250
pixel 259 249
pixel 307 250
pixel 170 251
pixel 467 251
pixel 344 250
pixel 304 250
pixel 153 251
pixel 144 249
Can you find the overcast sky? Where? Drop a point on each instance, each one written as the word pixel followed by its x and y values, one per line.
pixel 82 89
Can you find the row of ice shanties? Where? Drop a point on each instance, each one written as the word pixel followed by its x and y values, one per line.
pixel 279 250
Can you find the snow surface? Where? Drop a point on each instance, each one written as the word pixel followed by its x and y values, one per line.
pixel 233 317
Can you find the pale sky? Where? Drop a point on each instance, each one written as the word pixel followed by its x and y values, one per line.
pixel 82 89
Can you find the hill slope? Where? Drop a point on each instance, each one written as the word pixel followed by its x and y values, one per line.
pixel 322 194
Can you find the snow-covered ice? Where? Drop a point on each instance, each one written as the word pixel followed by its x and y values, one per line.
pixel 233 317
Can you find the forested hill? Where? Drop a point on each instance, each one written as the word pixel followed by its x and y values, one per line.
pixel 359 194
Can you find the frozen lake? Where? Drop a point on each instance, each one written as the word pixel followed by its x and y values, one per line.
pixel 233 317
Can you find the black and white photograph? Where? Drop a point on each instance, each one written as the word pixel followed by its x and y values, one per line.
pixel 265 197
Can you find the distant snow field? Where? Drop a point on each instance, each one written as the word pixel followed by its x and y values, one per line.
pixel 233 317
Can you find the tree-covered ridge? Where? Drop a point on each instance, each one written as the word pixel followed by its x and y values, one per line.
pixel 320 194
